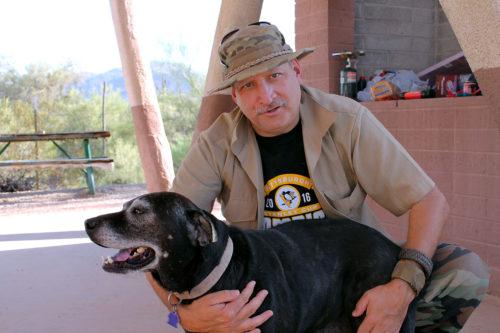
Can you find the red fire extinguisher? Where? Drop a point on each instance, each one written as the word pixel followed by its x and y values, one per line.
pixel 348 74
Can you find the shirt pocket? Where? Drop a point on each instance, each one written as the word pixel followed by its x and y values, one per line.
pixel 241 212
pixel 349 205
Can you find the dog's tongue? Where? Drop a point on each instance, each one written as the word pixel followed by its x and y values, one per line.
pixel 122 255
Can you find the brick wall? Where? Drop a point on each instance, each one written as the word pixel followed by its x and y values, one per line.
pixel 327 25
pixel 396 34
pixel 400 34
pixel 457 142
pixel 446 41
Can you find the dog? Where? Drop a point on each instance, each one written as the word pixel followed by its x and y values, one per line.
pixel 315 270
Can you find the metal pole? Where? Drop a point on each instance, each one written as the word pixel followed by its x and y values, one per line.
pixel 35 111
pixel 89 171
pixel 103 118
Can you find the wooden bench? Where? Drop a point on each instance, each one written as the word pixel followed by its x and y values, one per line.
pixel 87 163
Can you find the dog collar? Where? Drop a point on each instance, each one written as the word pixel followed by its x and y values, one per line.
pixel 204 286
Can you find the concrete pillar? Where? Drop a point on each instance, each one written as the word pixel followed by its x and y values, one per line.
pixel 154 148
pixel 329 27
pixel 232 14
pixel 476 24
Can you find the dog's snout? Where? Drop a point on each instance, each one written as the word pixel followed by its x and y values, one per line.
pixel 90 224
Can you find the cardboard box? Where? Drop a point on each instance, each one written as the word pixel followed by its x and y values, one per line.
pixel 384 90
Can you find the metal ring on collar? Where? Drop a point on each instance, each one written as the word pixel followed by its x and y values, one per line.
pixel 169 300
pixel 418 257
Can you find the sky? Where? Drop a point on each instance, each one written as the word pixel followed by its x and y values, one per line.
pixel 81 31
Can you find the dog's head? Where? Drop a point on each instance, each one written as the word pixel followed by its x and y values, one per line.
pixel 162 230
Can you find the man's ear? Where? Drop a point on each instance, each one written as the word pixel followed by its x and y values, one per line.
pixel 201 231
pixel 233 94
pixel 296 68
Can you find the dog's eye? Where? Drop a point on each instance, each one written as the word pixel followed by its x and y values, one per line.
pixel 137 211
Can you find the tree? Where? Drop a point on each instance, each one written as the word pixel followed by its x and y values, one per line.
pixel 47 99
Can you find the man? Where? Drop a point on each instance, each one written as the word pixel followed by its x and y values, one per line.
pixel 292 152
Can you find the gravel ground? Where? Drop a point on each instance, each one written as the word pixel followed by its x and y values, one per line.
pixel 13 203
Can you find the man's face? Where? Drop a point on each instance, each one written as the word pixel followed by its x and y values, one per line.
pixel 270 100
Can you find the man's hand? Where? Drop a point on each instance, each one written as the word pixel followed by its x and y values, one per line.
pixel 385 307
pixel 225 311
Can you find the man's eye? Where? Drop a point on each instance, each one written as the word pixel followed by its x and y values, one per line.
pixel 247 85
pixel 275 75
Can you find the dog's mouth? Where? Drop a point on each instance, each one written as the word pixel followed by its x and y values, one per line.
pixel 129 259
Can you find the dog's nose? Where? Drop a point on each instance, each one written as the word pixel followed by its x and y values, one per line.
pixel 90 224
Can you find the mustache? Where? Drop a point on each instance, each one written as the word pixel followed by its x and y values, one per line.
pixel 277 102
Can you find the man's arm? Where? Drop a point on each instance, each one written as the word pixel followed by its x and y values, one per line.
pixel 386 305
pixel 427 218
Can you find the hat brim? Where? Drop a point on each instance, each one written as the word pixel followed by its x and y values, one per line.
pixel 261 67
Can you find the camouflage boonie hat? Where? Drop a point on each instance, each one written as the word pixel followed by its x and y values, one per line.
pixel 252 50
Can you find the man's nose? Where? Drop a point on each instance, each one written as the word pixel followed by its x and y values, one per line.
pixel 266 93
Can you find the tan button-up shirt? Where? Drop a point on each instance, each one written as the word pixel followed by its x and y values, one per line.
pixel 349 153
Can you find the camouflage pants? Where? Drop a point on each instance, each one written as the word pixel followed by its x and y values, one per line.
pixel 458 284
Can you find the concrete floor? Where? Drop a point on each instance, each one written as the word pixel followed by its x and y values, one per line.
pixel 51 281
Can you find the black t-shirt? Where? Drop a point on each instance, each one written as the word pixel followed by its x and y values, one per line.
pixel 288 189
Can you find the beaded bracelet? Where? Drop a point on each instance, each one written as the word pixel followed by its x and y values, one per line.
pixel 419 258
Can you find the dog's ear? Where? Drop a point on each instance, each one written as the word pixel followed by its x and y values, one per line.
pixel 201 231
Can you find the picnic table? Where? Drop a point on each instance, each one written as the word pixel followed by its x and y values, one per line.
pixel 87 163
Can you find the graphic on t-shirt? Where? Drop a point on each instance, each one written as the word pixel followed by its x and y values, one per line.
pixel 290 197
pixel 287 197
pixel 289 192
